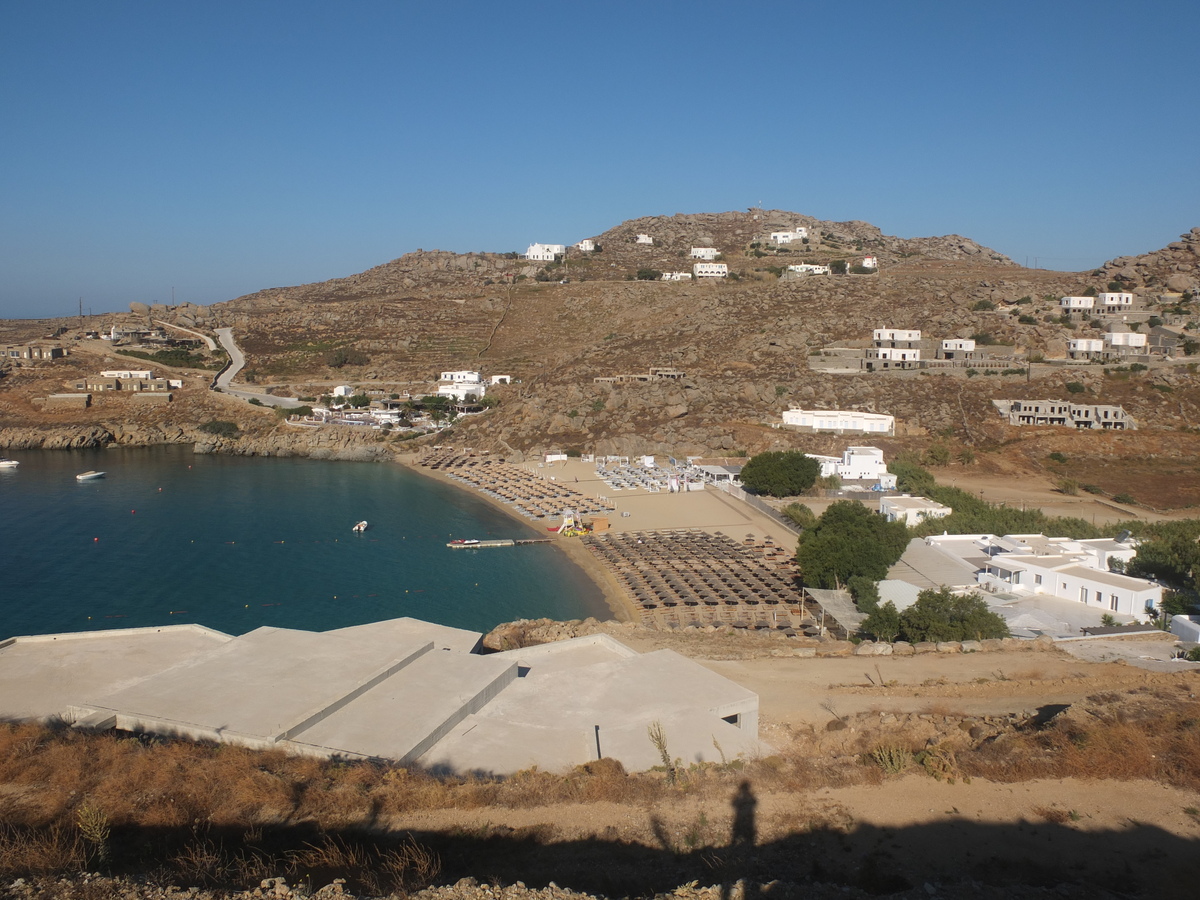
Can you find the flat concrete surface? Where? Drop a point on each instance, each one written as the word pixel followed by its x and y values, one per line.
pixel 443 637
pixel 413 707
pixel 548 717
pixel 41 676
pixel 259 684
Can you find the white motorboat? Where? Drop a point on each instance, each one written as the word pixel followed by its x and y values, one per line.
pixel 89 476
pixel 360 527
pixel 6 463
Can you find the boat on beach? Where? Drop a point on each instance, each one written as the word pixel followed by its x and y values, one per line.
pixel 360 527
pixel 91 475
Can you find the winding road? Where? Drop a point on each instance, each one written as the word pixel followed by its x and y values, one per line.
pixel 236 362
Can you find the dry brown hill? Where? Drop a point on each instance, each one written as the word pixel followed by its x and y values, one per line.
pixel 750 347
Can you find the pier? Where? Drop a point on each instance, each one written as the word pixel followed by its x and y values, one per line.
pixel 475 545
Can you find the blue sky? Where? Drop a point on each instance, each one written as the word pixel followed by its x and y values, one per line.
pixel 222 147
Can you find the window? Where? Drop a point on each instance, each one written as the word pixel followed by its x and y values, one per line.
pixel 1113 603
pixel 1037 579
pixel 1083 595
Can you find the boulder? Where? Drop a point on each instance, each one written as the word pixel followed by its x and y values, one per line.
pixel 902 648
pixel 949 647
pixel 972 647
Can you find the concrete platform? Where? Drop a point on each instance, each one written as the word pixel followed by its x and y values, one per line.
pixel 41 676
pixel 548 717
pixel 400 690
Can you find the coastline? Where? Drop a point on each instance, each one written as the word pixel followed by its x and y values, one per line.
pixel 619 604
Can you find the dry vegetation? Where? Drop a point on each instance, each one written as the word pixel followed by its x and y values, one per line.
pixel 228 816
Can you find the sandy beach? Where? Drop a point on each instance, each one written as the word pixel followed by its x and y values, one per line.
pixel 710 511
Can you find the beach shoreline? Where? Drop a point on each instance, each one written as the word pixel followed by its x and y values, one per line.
pixel 618 602
pixel 710 511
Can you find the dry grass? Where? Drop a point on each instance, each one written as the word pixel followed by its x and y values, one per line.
pixel 225 815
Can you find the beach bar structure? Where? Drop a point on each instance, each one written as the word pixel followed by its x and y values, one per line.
pixel 401 690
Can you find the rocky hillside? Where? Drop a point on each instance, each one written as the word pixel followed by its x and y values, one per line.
pixel 749 347
pixel 1174 268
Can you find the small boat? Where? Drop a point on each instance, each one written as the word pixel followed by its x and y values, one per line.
pixel 89 476
pixel 465 543
pixel 360 527
pixel 6 463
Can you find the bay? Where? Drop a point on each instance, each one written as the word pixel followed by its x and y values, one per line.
pixel 169 537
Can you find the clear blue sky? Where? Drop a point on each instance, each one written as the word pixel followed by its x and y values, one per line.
pixel 223 147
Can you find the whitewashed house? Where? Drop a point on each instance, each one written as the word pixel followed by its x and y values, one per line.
pixel 840 421
pixel 709 253
pixel 1122 342
pixel 1115 302
pixel 798 234
pixel 870 262
pixel 463 386
pixel 710 270
pixel 545 252
pixel 676 276
pixel 911 510
pixel 643 239
pixel 809 269
pixel 128 374
pixel 894 348
pixel 1076 304
pixel 500 379
pixel 858 464
pixel 957 348
pixel 1085 348
pixel 342 390
pixel 587 245
pixel 1058 567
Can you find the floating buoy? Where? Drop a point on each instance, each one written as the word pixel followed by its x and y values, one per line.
pixel 95 539
pixel 133 512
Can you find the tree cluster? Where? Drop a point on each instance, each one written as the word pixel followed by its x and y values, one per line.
pixel 937 616
pixel 849 540
pixel 780 473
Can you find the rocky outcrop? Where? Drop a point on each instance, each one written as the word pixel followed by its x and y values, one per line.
pixel 1174 269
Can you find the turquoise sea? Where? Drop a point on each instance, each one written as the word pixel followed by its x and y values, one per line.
pixel 235 542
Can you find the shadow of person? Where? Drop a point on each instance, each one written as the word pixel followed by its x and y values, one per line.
pixel 743 833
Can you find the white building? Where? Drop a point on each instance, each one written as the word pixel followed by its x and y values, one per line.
pixel 462 375
pixel 840 420
pixel 893 337
pixel 1123 341
pixel 643 239
pixel 710 270
pixel 342 390
pixel 545 252
pixel 796 235
pixel 586 246
pixel 1115 302
pixel 858 464
pixel 130 374
pixel 911 510
pixel 809 269
pixel 677 276
pixel 705 253
pixel 1058 567
pixel 1076 304
pixel 500 379
pixel 462 385
pixel 957 348
pixel 1085 348
pixel 870 262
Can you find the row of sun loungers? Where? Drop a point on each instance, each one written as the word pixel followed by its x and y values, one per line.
pixel 531 495
pixel 694 578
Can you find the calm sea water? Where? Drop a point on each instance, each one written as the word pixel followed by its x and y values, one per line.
pixel 234 543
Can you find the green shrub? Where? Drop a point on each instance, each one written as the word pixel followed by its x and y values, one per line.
pixel 943 616
pixel 649 275
pixel 848 540
pixel 800 514
pixel 983 306
pixel 780 473
pixel 1058 457
pixel 1076 387
pixel 1024 319
pixel 346 356
pixel 1124 498
pixel 220 428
